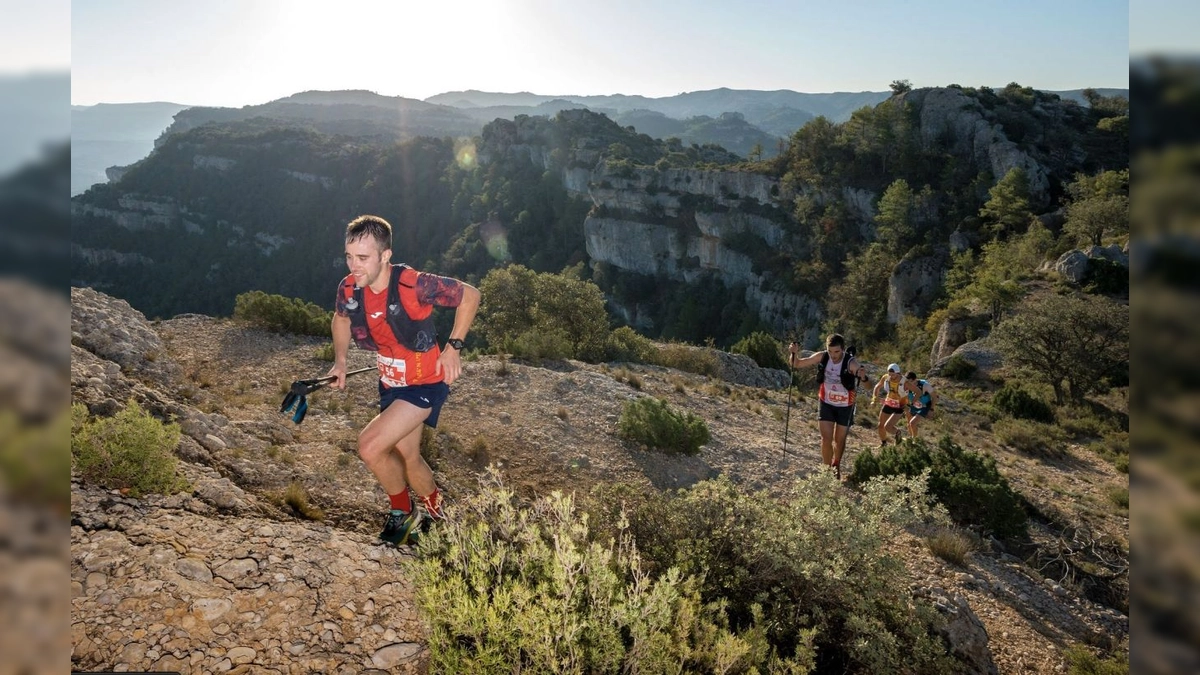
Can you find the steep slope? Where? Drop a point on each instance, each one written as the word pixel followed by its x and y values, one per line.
pixel 227 576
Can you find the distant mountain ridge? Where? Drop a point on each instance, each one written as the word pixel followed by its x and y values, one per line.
pixel 742 121
pixel 752 103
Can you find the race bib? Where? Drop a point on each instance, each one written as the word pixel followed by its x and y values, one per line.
pixel 391 371
pixel 836 394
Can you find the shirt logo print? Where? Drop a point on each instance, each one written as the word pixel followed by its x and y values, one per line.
pixel 376 315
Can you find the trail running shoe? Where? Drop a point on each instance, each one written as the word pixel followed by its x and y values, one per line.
pixel 402 528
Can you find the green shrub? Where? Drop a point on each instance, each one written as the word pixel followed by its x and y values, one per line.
pixel 1080 661
pixel 541 344
pixel 959 368
pixel 131 450
pixel 1016 401
pixel 651 422
pixel 625 344
pixel 762 348
pixel 688 358
pixel 282 315
pixel 507 589
pixel 1105 277
pixel 967 483
pixel 539 310
pixel 1119 496
pixel 1029 437
pixel 810 567
pixel 1081 421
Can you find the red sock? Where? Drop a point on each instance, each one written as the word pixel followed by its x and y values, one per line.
pixel 400 501
pixel 433 503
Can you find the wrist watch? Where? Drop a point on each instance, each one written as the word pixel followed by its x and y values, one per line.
pixel 456 343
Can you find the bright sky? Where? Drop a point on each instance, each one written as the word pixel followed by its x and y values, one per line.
pixel 245 52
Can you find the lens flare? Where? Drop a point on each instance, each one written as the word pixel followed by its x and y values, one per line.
pixel 495 239
pixel 464 154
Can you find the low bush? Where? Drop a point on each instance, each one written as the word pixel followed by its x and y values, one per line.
pixel 1080 661
pixel 967 483
pixel 541 344
pixel 1034 438
pixel 1081 421
pixel 324 352
pixel 1119 496
pixel 1105 277
pixel 651 422
pixel 809 568
pixel 1016 401
pixel 688 358
pixel 282 315
pixel 129 451
pixel 625 344
pixel 1114 447
pixel 762 348
pixel 538 589
pixel 960 368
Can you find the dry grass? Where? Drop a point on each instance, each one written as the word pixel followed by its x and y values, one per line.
pixel 296 497
pixel 951 545
pixel 480 451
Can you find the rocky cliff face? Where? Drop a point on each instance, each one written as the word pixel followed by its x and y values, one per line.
pixel 682 223
pixel 949 115
pixel 914 286
pixel 679 223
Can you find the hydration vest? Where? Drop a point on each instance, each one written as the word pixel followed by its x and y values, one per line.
pixel 410 321
pixel 925 398
pixel 849 379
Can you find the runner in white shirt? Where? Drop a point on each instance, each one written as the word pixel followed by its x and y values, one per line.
pixel 839 377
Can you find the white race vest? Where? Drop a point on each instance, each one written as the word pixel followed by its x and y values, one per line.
pixel 834 393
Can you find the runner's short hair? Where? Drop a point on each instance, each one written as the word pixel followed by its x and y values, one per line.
pixel 370 226
pixel 910 376
pixel 835 340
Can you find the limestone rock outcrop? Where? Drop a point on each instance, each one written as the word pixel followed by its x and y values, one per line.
pixel 1074 264
pixel 914 285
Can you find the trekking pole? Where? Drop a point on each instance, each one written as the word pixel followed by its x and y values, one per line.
pixel 297 395
pixel 788 416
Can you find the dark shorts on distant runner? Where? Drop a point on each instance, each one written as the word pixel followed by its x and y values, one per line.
pixel 430 396
pixel 921 412
pixel 892 410
pixel 842 416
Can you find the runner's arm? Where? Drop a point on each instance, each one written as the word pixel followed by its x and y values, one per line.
pixel 858 369
pixel 802 362
pixel 450 361
pixel 340 329
pixel 875 389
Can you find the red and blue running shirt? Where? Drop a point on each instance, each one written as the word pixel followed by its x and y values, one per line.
pixel 398 365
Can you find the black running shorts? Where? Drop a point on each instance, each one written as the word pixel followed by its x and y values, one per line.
pixel 840 415
pixel 421 395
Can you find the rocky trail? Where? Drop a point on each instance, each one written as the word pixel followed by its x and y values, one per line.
pixel 230 578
